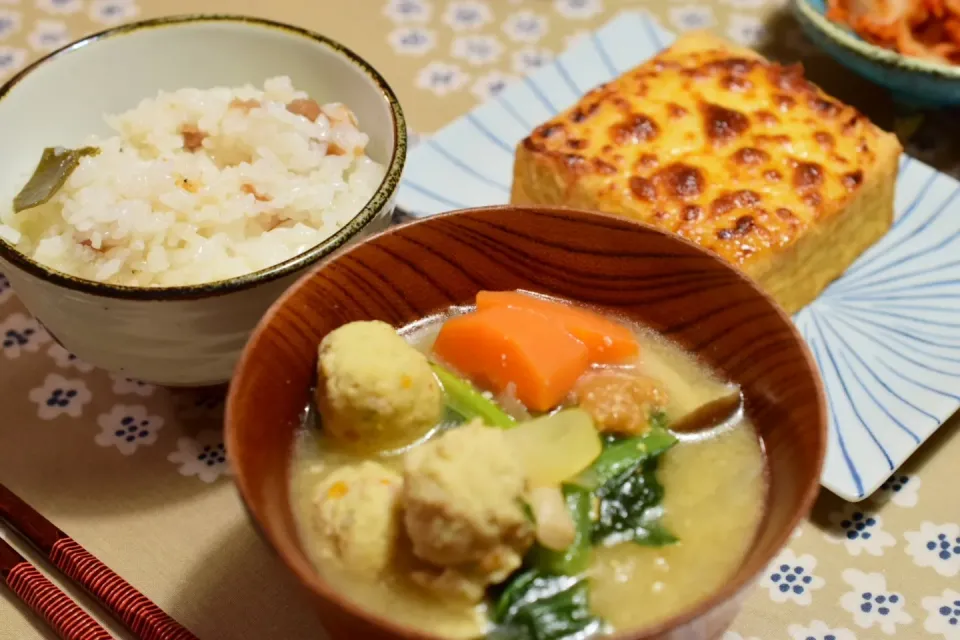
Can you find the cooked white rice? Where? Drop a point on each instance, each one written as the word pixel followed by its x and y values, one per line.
pixel 267 184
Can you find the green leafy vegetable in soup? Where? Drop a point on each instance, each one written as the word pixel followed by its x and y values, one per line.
pixel 624 454
pixel 55 166
pixel 618 499
pixel 630 508
pixel 538 606
pixel 466 401
pixel 624 480
pixel 576 557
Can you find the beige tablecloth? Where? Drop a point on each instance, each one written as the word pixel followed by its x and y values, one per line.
pixel 165 515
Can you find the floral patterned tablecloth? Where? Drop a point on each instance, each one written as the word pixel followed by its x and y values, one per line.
pixel 137 474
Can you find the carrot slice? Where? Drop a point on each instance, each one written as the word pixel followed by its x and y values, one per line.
pixel 608 342
pixel 502 346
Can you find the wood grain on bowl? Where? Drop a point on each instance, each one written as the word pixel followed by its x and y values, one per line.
pixel 422 268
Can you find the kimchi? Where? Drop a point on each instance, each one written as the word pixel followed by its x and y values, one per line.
pixel 927 29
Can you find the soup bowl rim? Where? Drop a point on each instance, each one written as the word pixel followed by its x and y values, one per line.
pixel 316 584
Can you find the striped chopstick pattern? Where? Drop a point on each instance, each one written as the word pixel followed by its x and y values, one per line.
pixel 60 612
pixel 139 614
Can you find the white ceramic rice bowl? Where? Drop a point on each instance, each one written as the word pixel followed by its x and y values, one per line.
pixel 184 335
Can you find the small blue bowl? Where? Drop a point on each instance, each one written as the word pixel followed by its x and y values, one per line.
pixel 913 82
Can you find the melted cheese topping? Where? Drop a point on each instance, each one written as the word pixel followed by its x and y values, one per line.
pixel 720 146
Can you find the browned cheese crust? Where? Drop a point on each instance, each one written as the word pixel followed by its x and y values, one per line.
pixel 740 155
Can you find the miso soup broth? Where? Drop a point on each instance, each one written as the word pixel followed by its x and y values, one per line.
pixel 713 488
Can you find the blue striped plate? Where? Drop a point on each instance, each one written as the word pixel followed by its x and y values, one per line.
pixel 884 335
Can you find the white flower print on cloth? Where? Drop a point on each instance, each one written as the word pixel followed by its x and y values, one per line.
pixel 476 50
pixel 48 35
pixel 943 614
pixel 491 84
pixel 901 489
pixel 60 7
pixel 792 578
pixel 20 333
pixel 530 58
pixel 859 531
pixel 59 396
pixel 127 427
pixel 441 78
pixel 746 30
pixel 66 360
pixel 872 604
pixel 412 41
pixel 936 546
pixel 204 456
pixel 112 12
pixel 818 630
pixel 9 22
pixel 692 16
pixel 408 10
pixel 128 386
pixel 578 9
pixel 467 15
pixel 525 26
pixel 6 291
pixel 11 59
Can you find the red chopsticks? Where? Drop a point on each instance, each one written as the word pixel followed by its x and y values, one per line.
pixel 141 616
pixel 60 612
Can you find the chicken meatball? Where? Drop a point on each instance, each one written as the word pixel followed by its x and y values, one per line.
pixel 375 391
pixel 621 402
pixel 464 495
pixel 357 516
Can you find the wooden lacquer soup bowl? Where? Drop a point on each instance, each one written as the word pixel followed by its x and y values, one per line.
pixel 416 270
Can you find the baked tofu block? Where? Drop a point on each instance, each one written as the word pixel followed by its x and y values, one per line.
pixel 740 155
